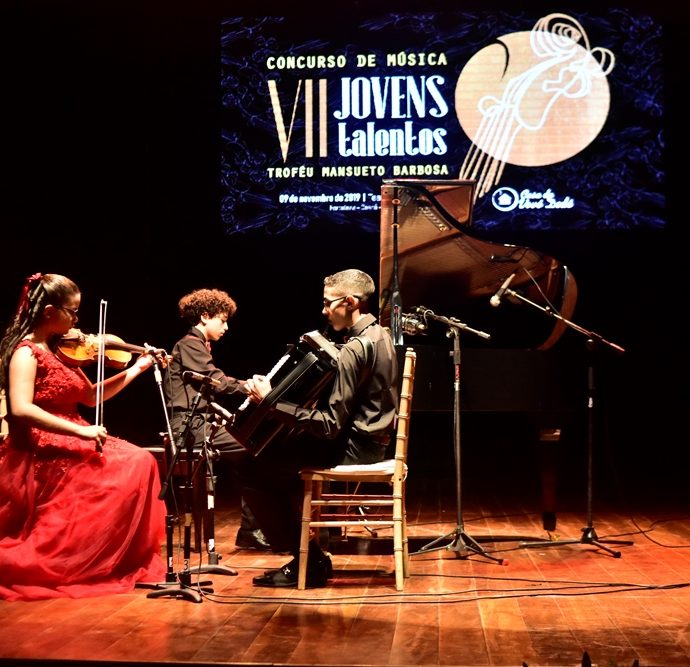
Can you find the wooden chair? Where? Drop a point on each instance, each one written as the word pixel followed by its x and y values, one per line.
pixel 390 506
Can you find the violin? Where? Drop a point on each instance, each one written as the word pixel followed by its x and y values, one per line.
pixel 77 349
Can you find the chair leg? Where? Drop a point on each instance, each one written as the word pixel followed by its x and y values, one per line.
pixel 199 500
pixel 398 555
pixel 405 541
pixel 304 534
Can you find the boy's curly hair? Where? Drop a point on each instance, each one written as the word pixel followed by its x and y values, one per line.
pixel 211 302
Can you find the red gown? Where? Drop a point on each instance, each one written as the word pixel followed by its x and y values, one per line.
pixel 73 523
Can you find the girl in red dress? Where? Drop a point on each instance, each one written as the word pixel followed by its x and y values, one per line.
pixel 79 509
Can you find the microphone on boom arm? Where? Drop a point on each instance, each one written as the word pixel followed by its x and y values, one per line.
pixel 193 376
pixel 221 412
pixel 415 324
pixel 495 300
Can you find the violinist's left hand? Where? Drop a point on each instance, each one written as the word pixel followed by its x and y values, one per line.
pixel 144 362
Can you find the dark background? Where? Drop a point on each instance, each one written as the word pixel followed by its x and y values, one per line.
pixel 110 175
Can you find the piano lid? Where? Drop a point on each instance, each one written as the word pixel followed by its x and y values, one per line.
pixel 443 266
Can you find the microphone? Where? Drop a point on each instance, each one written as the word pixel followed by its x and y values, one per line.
pixel 412 325
pixel 220 410
pixel 190 376
pixel 496 298
pixel 157 351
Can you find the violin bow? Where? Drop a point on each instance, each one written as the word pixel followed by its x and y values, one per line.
pixel 100 366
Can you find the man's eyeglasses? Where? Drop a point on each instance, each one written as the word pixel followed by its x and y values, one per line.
pixel 327 303
pixel 74 312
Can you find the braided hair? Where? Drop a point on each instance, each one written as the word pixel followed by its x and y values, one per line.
pixel 39 291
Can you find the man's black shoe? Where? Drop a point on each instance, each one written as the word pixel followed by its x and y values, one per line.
pixel 252 539
pixel 293 565
pixel 317 575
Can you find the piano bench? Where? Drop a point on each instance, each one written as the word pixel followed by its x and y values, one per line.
pixel 174 498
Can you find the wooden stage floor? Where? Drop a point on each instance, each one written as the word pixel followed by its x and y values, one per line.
pixel 558 605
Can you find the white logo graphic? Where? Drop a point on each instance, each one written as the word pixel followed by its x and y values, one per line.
pixel 532 98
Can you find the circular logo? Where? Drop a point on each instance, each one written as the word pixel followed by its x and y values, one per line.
pixel 537 97
pixel 505 199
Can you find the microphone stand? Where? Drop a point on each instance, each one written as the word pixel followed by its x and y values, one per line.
pixel 460 542
pixel 206 459
pixel 170 576
pixel 183 579
pixel 396 299
pixel 589 534
pixel 159 381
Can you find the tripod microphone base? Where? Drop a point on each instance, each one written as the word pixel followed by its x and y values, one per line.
pixel 461 543
pixel 177 592
pixel 589 536
pixel 213 566
pixel 170 580
pixel 214 569
pixel 182 588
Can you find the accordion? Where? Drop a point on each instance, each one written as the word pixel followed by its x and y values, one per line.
pixel 300 376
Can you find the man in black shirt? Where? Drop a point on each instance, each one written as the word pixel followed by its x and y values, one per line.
pixel 353 424
pixel 207 311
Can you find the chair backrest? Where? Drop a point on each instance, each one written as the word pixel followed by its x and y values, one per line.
pixel 402 432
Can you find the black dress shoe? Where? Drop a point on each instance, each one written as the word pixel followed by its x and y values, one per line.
pixel 252 539
pixel 294 564
pixel 285 577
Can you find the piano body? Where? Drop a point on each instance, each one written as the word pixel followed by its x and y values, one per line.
pixel 429 257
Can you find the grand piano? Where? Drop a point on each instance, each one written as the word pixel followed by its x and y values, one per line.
pixel 431 261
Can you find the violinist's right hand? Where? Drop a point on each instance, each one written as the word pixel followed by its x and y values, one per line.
pixel 94 432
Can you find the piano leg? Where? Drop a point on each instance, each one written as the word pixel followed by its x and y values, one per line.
pixel 549 440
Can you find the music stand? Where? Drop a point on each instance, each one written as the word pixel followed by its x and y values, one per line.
pixel 460 542
pixel 589 534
